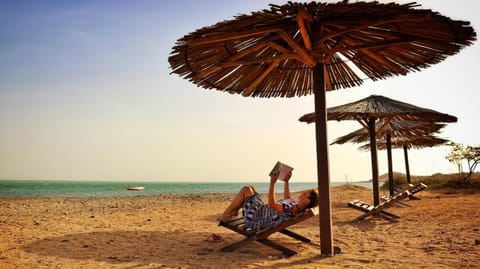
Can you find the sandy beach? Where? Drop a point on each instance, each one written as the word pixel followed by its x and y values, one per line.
pixel 169 231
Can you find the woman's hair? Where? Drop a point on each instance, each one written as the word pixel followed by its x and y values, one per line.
pixel 313 198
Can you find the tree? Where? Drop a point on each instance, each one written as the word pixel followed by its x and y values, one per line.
pixel 461 155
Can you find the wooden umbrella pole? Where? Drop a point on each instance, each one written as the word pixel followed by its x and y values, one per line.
pixel 407 167
pixel 325 216
pixel 373 152
pixel 390 165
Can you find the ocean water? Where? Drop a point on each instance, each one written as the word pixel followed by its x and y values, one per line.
pixel 36 188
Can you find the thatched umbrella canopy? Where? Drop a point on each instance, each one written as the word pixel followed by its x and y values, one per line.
pixel 303 48
pixel 395 128
pixel 376 107
pixel 395 131
pixel 427 141
pixel 381 107
pixel 406 143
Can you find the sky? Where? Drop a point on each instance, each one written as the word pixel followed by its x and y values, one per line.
pixel 86 93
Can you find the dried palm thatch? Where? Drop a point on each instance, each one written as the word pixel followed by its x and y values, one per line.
pixel 420 142
pixel 381 107
pixel 397 129
pixel 271 53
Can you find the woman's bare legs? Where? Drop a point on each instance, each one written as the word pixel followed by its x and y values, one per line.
pixel 236 204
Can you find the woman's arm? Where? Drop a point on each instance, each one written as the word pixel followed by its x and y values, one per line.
pixel 271 195
pixel 286 187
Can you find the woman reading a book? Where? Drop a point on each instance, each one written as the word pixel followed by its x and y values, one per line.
pixel 258 215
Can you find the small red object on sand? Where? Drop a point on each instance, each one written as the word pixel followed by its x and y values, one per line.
pixel 214 238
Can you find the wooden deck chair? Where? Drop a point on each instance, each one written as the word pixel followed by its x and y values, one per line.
pixel 379 210
pixel 237 224
pixel 399 203
pixel 414 189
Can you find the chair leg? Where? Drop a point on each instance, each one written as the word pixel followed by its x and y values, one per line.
pixel 288 252
pixel 235 245
pixel 295 235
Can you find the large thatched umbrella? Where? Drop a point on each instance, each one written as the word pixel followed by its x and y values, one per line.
pixel 397 134
pixel 303 48
pixel 376 107
pixel 406 143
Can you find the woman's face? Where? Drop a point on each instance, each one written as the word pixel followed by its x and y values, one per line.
pixel 304 198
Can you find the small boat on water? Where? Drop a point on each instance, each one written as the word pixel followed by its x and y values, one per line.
pixel 135 188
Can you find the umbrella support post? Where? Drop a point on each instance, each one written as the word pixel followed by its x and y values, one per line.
pixel 325 216
pixel 373 152
pixel 407 167
pixel 390 165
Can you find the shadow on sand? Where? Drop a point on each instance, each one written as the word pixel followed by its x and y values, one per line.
pixel 153 248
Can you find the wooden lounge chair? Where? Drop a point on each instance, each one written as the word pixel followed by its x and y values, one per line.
pixel 414 189
pixel 379 210
pixel 237 224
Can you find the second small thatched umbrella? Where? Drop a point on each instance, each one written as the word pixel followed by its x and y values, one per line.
pixel 408 143
pixel 368 110
pixel 399 131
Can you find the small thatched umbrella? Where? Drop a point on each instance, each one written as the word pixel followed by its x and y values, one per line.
pixel 309 48
pixel 406 143
pixel 375 107
pixel 395 128
pixel 396 131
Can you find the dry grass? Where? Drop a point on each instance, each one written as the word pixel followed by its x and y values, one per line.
pixel 442 183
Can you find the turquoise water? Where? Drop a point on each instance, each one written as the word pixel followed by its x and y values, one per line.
pixel 34 188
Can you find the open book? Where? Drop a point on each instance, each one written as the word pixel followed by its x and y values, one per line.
pixel 281 168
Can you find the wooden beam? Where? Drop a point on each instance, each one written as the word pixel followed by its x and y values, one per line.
pixel 275 45
pixel 305 56
pixel 233 60
pixel 259 79
pixel 302 17
pixel 229 36
pixel 386 121
pixel 328 82
pixel 377 58
pixel 214 68
pixel 333 50
pixel 375 22
pixel 206 72
pixel 371 45
pixel 260 60
pixel 362 121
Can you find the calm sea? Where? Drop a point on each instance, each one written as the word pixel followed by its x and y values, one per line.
pixel 35 188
